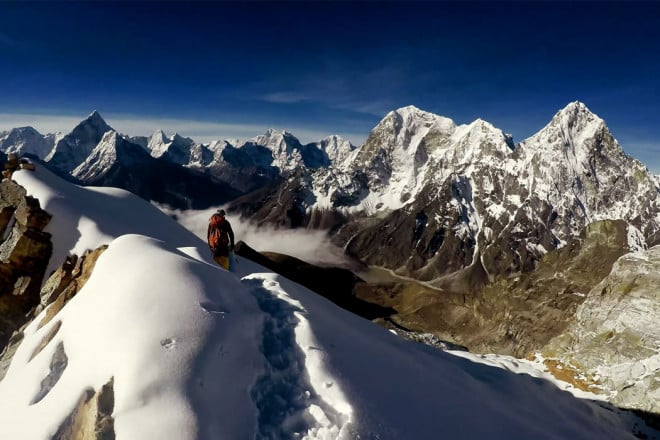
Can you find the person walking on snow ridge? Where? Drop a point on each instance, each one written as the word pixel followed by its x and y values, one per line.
pixel 220 237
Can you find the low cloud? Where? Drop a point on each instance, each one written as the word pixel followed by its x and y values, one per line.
pixel 312 246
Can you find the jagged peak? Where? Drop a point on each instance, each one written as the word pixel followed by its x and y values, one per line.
pixel 412 119
pixel 96 121
pixel 410 109
pixel 335 142
pixel 275 135
pixel 410 112
pixel 335 138
pixel 27 128
pixel 576 113
pixel 96 118
pixel 573 128
pixel 176 137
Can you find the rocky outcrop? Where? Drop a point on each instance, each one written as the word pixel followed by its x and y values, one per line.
pixel 91 419
pixel 67 281
pixel 60 287
pixel 25 250
pixel 616 337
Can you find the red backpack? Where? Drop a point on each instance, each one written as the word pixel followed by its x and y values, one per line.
pixel 217 236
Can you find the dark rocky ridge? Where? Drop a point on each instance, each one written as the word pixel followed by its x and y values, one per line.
pixel 25 250
pixel 336 284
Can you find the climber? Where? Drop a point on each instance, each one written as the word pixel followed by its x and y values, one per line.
pixel 220 237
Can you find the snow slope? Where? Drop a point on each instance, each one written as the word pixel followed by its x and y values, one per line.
pixel 200 353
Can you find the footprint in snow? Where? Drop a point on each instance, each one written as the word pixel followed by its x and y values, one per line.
pixel 168 343
pixel 212 308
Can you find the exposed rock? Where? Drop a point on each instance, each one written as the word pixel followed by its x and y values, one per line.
pixel 616 336
pixel 62 285
pixel 67 281
pixel 58 363
pixel 46 339
pixel 92 418
pixel 25 250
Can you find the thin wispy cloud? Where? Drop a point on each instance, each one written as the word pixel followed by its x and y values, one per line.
pixel 285 97
pixel 336 87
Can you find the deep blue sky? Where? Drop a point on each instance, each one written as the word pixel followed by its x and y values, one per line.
pixel 322 68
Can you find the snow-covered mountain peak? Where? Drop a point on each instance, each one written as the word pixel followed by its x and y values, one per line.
pixel 72 150
pixel 160 134
pixel 411 118
pixel 26 140
pixel 573 135
pixel 276 139
pixel 336 148
pixel 286 149
pixel 571 126
pixel 176 137
pixel 577 115
pixel 96 121
pixel 28 130
pixel 175 148
pixel 479 139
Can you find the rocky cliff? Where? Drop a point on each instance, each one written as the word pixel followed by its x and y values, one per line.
pixel 615 338
pixel 25 249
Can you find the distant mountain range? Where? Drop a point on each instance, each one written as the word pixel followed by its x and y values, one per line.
pixel 457 205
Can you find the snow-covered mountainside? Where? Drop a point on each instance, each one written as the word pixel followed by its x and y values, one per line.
pixel 27 140
pixel 162 343
pixel 75 147
pixel 461 197
pixel 579 168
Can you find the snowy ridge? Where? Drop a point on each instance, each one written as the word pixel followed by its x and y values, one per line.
pixel 193 350
pixel 102 157
pixel 74 148
pixel 176 149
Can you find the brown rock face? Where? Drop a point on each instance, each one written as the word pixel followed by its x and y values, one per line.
pixel 62 285
pixel 92 418
pixel 514 315
pixel 67 281
pixel 25 250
